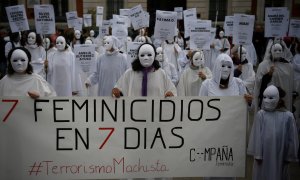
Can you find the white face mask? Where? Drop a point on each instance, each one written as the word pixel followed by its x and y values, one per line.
pixel 88 41
pixel 77 34
pixel 225 69
pixel 146 55
pixel 19 61
pixel 270 99
pixel 221 34
pixel 129 39
pixel 242 55
pixel 108 43
pixel 60 43
pixel 198 59
pixel 92 33
pixel 141 39
pixel 160 54
pixel 276 51
pixel 46 43
pixel 31 39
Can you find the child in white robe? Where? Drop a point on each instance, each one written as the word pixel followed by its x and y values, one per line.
pixel 274 140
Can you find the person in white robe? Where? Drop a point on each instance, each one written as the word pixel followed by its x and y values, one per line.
pixel 244 69
pixel 110 66
pixel 20 79
pixel 275 70
pixel 37 51
pixel 286 53
pixel 223 83
pixel 296 66
pixel 179 39
pixel 192 77
pixel 273 140
pixel 166 65
pixel 62 73
pixel 77 39
pixel 143 32
pixel 172 52
pixel 251 53
pixel 145 78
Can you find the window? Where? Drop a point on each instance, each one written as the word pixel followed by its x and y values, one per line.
pixel 60 9
pixel 3 4
pixel 274 3
pixel 113 7
pixel 220 6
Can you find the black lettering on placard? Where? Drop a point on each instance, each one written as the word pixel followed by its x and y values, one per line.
pixel 131 110
pixel 213 107
pixel 161 102
pixel 179 136
pixel 200 110
pixel 36 101
pixel 55 108
pixel 74 102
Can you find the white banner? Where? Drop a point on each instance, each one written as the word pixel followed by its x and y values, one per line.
pixel 165 25
pixel 294 29
pixel 137 16
pixel 200 34
pixel 120 28
pixel 228 25
pixel 243 29
pixel 85 57
pixel 276 21
pixel 107 138
pixel 72 19
pixel 87 20
pixel 78 24
pixel 188 16
pixel 179 11
pixel 132 48
pixel 44 19
pixel 17 18
pixel 99 16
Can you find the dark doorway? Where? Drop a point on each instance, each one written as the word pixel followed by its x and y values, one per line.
pixel 164 5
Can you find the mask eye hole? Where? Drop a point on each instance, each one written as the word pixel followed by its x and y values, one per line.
pixel 149 54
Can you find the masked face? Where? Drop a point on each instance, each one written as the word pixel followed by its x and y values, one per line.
pixel 141 39
pixel 221 34
pixel 146 55
pixel 225 69
pixel 129 39
pixel 92 33
pixel 46 43
pixel 277 40
pixel 77 34
pixel 31 39
pixel 19 61
pixel 271 98
pixel 276 51
pixel 242 55
pixel 60 43
pixel 108 43
pixel 198 59
pixel 160 54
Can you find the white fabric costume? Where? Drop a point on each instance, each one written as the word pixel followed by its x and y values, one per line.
pixel 62 70
pixel 20 83
pixel 190 82
pixel 211 87
pixel 38 54
pixel 167 66
pixel 273 140
pixel 251 53
pixel 282 76
pixel 110 67
pixel 158 82
pixel 172 51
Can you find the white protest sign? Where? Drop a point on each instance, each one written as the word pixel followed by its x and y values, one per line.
pixel 119 28
pixel 200 34
pixel 132 48
pixel 188 16
pixel 126 12
pixel 294 29
pixel 228 25
pixel 276 21
pixel 85 57
pixel 243 29
pixel 136 16
pixel 44 19
pixel 78 24
pixel 87 20
pixel 146 19
pixel 72 19
pixel 165 24
pixel 212 34
pixel 108 138
pixel 17 18
pixel 99 16
pixel 179 11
